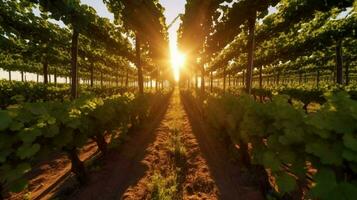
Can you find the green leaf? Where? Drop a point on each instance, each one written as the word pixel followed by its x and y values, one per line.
pixel 64 138
pixel 38 109
pixel 3 155
pixel 292 135
pixel 51 131
pixel 18 98
pixel 80 139
pixel 271 161
pixel 74 123
pixel 6 141
pixel 51 120
pixel 27 150
pixel 325 182
pixel 350 142
pixel 328 153
pixel 299 167
pixel 5 120
pixel 41 124
pixel 286 183
pixel 287 156
pixel 350 155
pixel 16 126
pixel 345 190
pixel 353 166
pixel 13 173
pixel 29 135
pixel 273 141
pixel 18 185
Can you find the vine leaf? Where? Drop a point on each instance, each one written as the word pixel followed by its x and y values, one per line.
pixel 286 183
pixel 5 120
pixel 27 150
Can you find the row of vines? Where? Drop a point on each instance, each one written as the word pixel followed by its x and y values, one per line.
pixel 281 89
pixel 109 67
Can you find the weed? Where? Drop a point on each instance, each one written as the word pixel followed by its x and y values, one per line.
pixel 163 188
pixel 176 147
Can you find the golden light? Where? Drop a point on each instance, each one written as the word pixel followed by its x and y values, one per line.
pixel 177 62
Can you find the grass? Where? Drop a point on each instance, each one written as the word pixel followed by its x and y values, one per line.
pixel 167 187
pixel 176 147
pixel 163 188
pixel 27 196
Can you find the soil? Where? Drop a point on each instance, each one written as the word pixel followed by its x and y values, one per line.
pixel 48 173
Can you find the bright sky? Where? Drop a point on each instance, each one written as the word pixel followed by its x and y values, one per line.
pixel 100 7
pixel 172 9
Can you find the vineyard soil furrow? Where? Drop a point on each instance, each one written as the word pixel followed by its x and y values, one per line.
pixel 176 159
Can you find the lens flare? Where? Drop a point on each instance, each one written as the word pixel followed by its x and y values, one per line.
pixel 177 62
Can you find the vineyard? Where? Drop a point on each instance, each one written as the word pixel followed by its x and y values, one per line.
pixel 168 100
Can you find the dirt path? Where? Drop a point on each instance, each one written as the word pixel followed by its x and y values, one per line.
pixel 174 156
pixel 175 159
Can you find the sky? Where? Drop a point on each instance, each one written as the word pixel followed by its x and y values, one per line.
pixel 100 7
pixel 172 9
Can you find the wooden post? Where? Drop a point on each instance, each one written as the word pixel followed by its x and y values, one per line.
pixel 224 80
pixel 347 75
pixel 339 62
pixel 74 66
pixel 211 75
pixel 318 78
pixel 138 64
pixel 45 71
pixel 92 74
pixel 55 76
pixel 261 77
pixel 202 79
pixel 251 44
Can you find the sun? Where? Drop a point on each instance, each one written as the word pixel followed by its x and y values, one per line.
pixel 177 62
